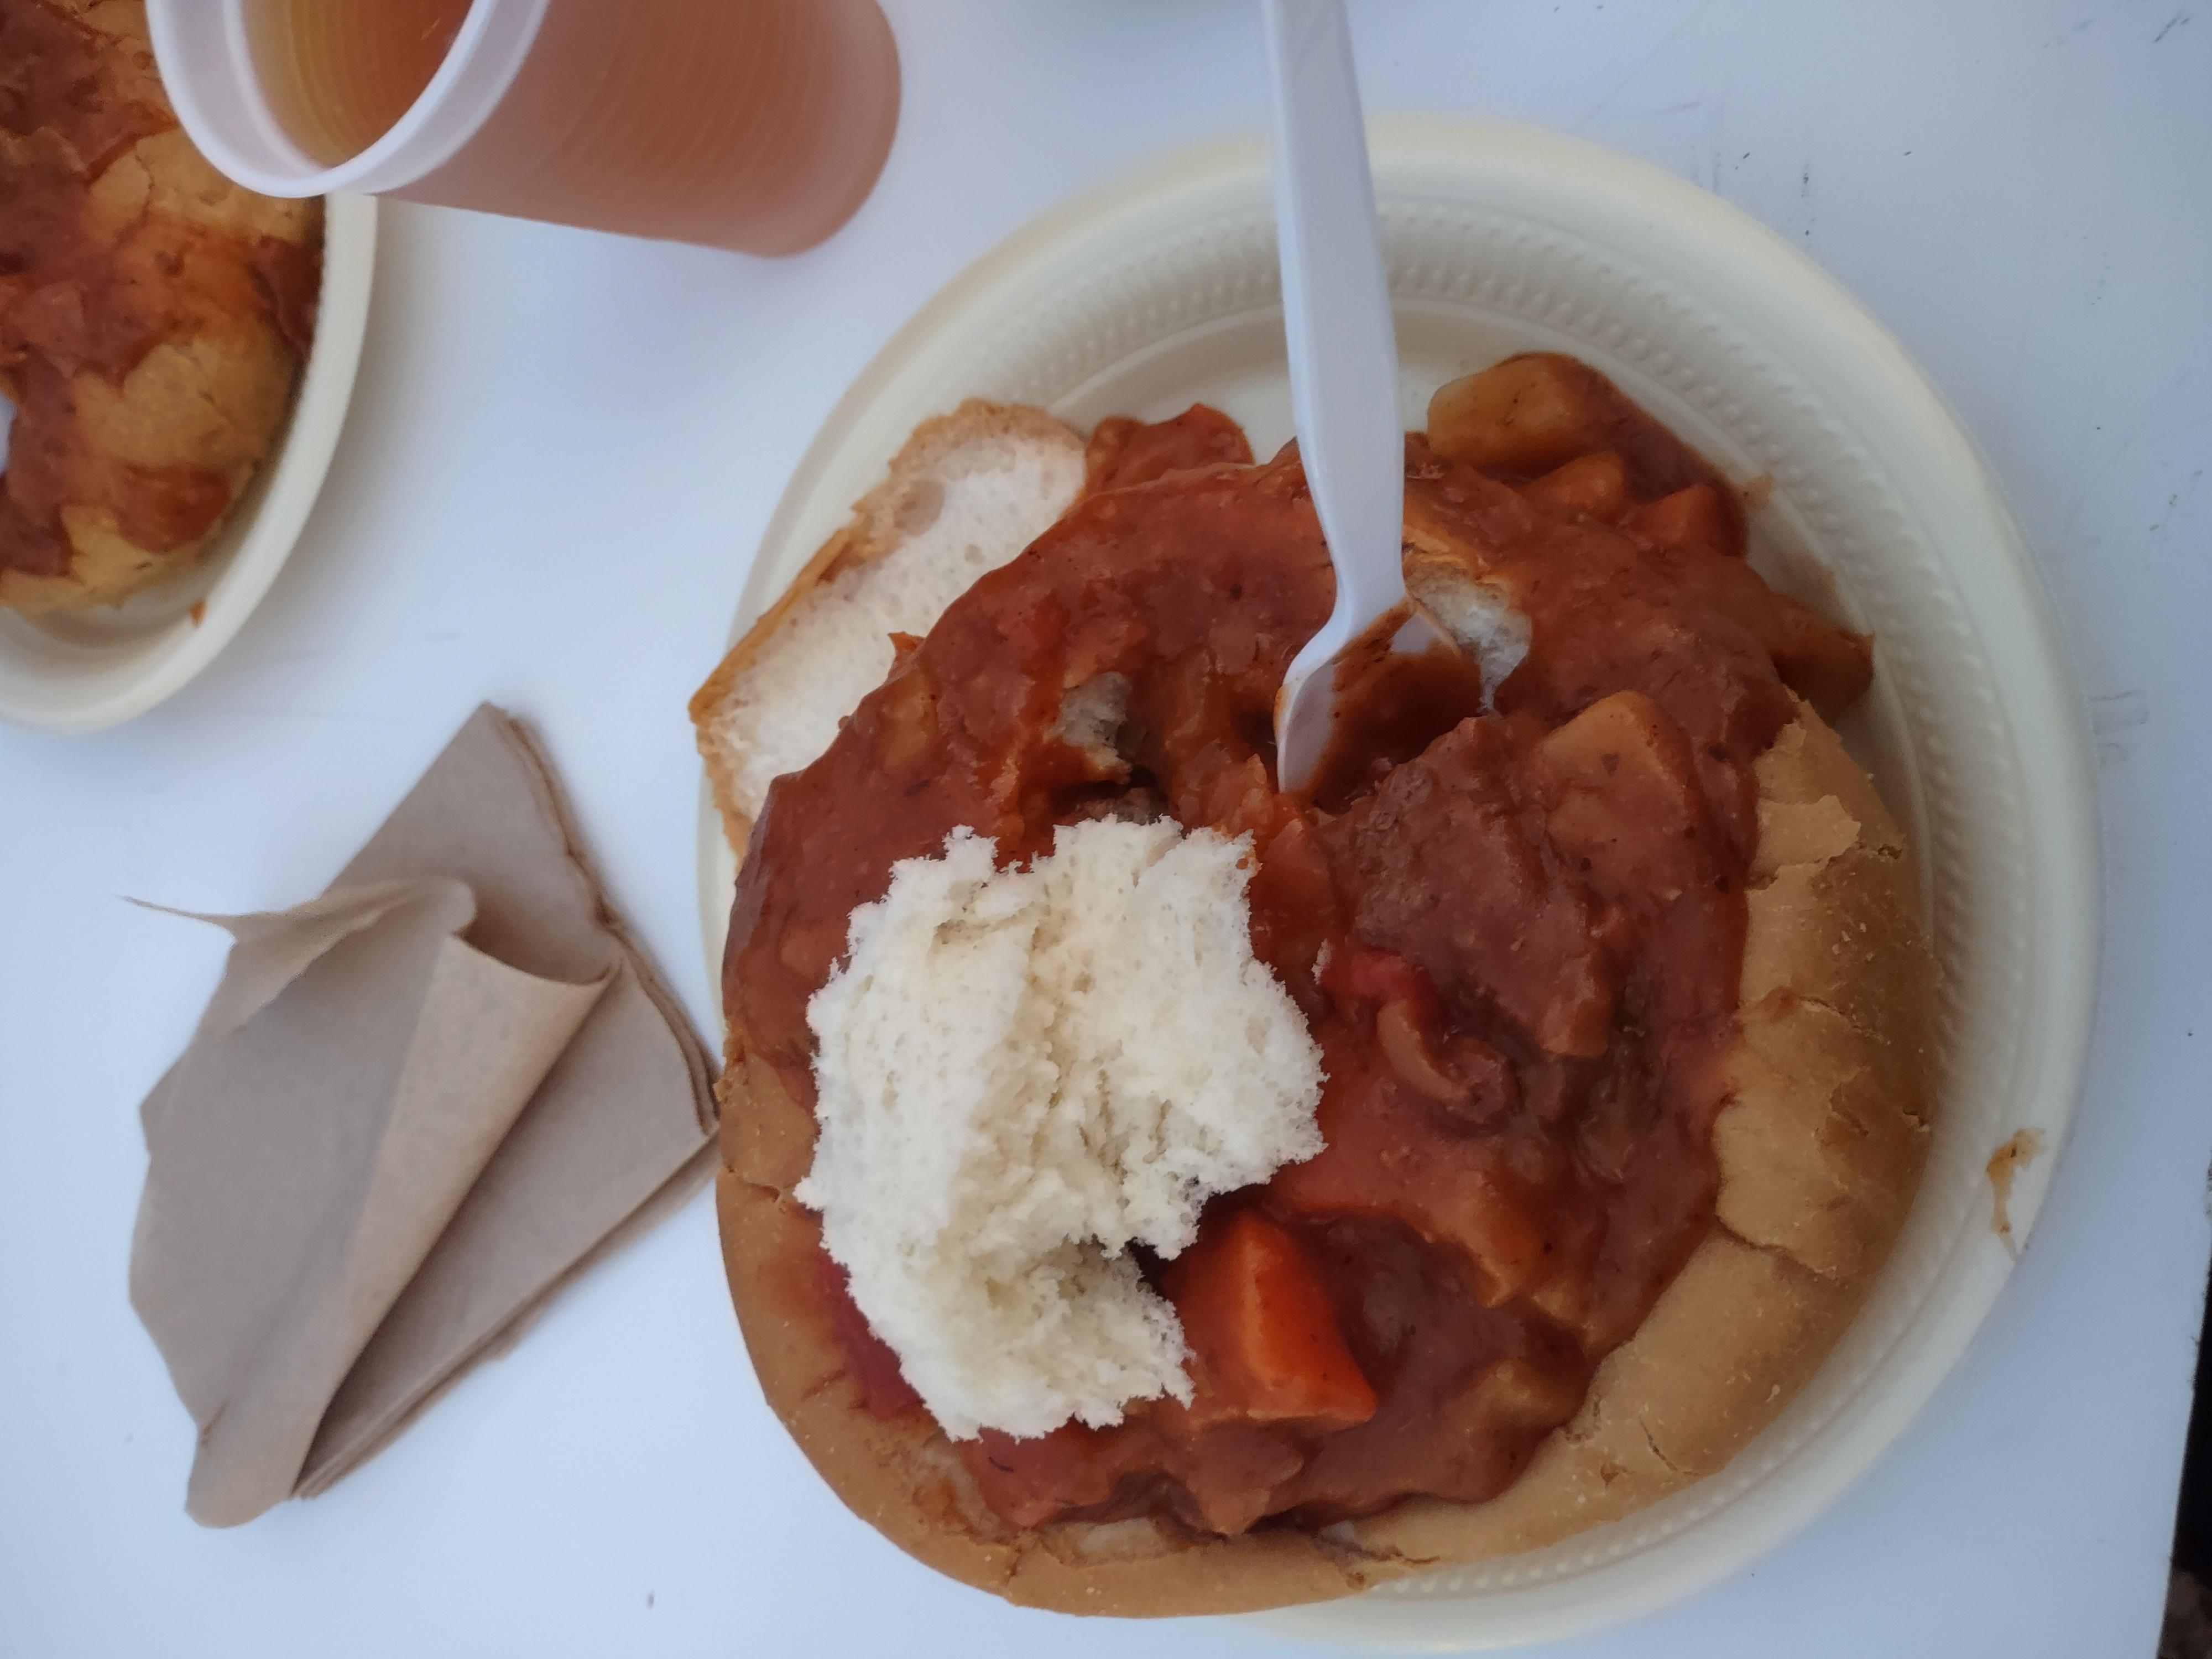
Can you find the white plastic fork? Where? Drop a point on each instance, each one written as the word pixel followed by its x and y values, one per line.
pixel 1343 367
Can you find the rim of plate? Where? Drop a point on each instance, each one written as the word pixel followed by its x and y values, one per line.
pixel 84 671
pixel 1880 400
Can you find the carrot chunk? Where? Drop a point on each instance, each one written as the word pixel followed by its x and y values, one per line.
pixel 1261 1332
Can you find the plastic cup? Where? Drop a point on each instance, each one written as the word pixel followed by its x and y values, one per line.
pixel 753 124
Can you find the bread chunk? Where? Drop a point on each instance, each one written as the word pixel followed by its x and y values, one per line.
pixel 1022 1074
pixel 968 491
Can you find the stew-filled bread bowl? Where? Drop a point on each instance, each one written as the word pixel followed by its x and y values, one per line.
pixel 1145 1192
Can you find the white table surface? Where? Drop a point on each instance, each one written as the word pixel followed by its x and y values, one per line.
pixel 562 452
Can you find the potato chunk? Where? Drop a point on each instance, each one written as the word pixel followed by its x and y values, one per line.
pixel 1526 414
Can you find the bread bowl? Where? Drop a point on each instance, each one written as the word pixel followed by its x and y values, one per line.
pixel 1802 1217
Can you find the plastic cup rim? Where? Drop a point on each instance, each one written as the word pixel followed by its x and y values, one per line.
pixel 487 53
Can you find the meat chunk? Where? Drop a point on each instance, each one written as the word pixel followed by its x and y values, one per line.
pixel 1455 871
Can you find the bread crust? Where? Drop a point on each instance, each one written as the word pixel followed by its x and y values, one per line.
pixel 882 520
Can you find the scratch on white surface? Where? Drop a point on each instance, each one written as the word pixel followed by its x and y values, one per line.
pixel 2118 711
pixel 2112 712
pixel 2174 501
pixel 2088 22
pixel 2153 412
pixel 2076 31
pixel 1648 58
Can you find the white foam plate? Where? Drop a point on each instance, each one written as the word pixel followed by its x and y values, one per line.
pixel 1500 239
pixel 81 671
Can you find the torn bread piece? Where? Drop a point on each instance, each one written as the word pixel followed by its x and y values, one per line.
pixel 968 491
pixel 1022 1075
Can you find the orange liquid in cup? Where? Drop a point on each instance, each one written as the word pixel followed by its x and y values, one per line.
pixel 340 76
pixel 753 124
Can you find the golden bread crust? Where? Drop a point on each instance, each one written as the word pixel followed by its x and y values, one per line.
pixel 1819 1153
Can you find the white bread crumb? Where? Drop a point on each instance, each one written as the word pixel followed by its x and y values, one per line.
pixel 1090 716
pixel 1021 1074
pixel 1479 613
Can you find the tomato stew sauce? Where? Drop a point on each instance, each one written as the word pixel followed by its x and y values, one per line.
pixel 1517 944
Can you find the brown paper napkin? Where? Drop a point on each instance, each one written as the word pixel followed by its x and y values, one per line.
pixel 414 1106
